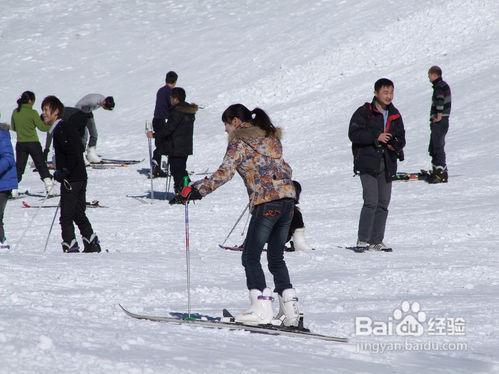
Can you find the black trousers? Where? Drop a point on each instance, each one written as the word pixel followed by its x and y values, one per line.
pixel 178 171
pixel 296 223
pixel 33 149
pixel 73 206
pixel 157 153
pixel 4 196
pixel 436 149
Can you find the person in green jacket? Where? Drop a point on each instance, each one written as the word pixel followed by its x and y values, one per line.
pixel 25 120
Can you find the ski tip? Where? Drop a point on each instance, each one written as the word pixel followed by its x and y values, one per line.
pixel 25 204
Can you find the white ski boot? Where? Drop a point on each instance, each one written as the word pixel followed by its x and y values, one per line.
pixel 260 310
pixel 288 308
pixel 299 243
pixel 92 155
pixel 49 186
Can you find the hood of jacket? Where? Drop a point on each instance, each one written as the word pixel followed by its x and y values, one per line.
pixel 256 138
pixel 186 108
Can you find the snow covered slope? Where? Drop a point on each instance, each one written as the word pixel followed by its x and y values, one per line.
pixel 310 65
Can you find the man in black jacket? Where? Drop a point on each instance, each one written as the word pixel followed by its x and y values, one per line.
pixel 378 137
pixel 162 111
pixel 439 124
pixel 176 136
pixel 178 133
pixel 71 173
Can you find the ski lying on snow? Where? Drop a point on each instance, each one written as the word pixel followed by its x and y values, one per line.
pixel 89 204
pixel 363 249
pixel 240 248
pixel 117 161
pixel 217 323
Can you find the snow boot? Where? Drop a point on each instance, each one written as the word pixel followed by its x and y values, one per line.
pixel 298 243
pixel 4 245
pixel 71 247
pixel 260 310
pixel 92 244
pixel 362 244
pixel 92 155
pixel 14 194
pixel 382 247
pixel 157 172
pixel 439 175
pixel 288 308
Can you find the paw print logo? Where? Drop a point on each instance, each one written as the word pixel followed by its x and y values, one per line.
pixel 408 319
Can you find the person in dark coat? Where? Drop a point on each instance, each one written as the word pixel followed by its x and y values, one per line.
pixel 378 137
pixel 162 111
pixel 71 173
pixel 439 125
pixel 175 136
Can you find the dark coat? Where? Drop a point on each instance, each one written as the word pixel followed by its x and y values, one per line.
pixel 366 125
pixel 175 137
pixel 77 117
pixel 69 150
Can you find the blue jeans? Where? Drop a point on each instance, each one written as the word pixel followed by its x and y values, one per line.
pixel 269 224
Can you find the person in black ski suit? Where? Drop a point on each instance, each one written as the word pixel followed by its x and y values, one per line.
pixel 71 173
pixel 439 125
pixel 162 111
pixel 176 136
pixel 378 137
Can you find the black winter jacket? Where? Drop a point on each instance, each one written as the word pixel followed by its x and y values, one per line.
pixel 69 150
pixel 175 137
pixel 365 127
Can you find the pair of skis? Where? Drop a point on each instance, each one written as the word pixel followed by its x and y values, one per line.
pixel 227 322
pixel 89 204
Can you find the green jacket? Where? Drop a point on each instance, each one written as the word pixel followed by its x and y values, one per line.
pixel 25 123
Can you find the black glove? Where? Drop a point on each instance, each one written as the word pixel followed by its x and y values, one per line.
pixel 60 175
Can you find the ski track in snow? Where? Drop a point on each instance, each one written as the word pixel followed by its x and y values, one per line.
pixel 310 66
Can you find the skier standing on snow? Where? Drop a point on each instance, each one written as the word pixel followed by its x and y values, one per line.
pixel 378 137
pixel 439 125
pixel 88 104
pixel 175 136
pixel 161 113
pixel 8 177
pixel 255 152
pixel 25 120
pixel 71 173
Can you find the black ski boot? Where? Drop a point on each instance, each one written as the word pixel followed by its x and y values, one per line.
pixel 157 172
pixel 92 244
pixel 439 175
pixel 71 247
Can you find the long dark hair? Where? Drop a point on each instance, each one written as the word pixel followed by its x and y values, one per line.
pixel 256 116
pixel 26 97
